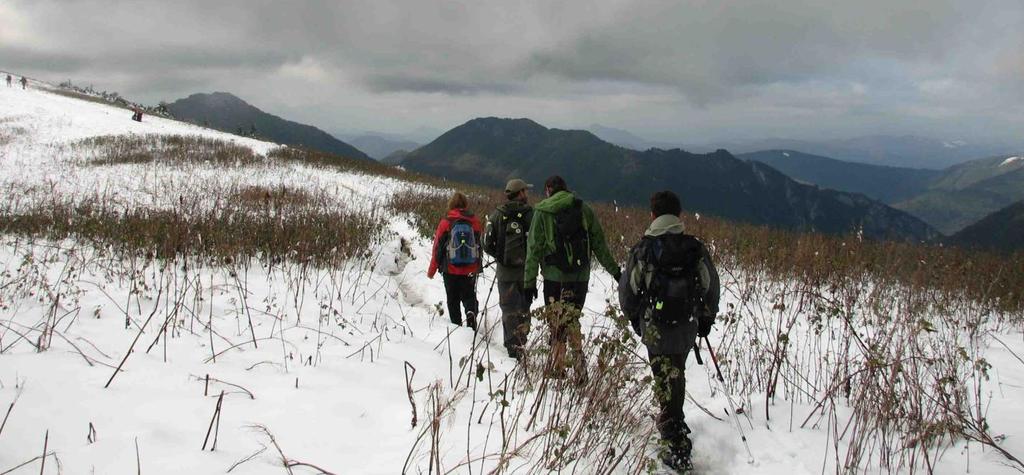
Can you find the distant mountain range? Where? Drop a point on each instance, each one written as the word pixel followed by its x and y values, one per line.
pixel 380 147
pixel 887 184
pixel 907 151
pixel 224 111
pixel 1002 230
pixel 965 193
pixel 489 151
pixel 894 151
pixel 947 199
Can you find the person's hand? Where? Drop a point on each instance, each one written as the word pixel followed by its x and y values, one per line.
pixel 704 326
pixel 530 294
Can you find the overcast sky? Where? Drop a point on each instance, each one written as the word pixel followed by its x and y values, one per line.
pixel 689 71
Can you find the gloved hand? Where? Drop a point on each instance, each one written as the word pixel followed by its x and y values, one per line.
pixel 530 294
pixel 704 326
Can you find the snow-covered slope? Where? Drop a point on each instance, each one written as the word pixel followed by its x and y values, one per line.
pixel 49 118
pixel 335 363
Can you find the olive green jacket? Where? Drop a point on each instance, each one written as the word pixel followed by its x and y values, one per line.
pixel 541 243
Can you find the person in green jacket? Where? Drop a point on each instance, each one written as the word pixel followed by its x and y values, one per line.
pixel 563 236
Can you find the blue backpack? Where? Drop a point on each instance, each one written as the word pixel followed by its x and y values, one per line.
pixel 463 250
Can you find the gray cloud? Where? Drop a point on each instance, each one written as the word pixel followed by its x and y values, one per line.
pixel 687 69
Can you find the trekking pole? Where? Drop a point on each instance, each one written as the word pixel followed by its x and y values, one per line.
pixel 728 397
pixel 696 353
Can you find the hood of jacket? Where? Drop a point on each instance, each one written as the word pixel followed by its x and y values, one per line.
pixel 556 202
pixel 665 224
pixel 460 213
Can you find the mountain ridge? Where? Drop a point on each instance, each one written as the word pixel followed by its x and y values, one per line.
pixel 490 150
pixel 226 112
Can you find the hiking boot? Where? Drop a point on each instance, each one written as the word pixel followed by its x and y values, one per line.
pixel 677 462
pixel 677 455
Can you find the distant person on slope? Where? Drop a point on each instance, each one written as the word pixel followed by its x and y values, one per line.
pixel 9 79
pixel 670 293
pixel 563 235
pixel 457 253
pixel 24 82
pixel 505 240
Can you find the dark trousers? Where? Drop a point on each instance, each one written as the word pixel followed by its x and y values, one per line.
pixel 515 316
pixel 461 293
pixel 565 307
pixel 669 372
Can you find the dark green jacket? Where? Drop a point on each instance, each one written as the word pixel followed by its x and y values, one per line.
pixel 541 242
pixel 494 221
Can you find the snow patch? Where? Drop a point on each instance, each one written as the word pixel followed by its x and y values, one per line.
pixel 1009 161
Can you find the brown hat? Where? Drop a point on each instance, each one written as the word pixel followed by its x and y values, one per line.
pixel 516 185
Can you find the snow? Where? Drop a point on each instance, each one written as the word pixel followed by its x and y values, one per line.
pixel 785 154
pixel 1010 161
pixel 49 118
pixel 44 159
pixel 329 373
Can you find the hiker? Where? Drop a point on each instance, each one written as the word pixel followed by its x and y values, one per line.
pixel 563 235
pixel 24 82
pixel 9 79
pixel 670 293
pixel 457 253
pixel 505 240
pixel 137 113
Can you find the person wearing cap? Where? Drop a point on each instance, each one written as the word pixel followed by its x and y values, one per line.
pixel 504 239
pixel 563 236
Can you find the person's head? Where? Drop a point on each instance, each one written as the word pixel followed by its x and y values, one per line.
pixel 458 201
pixel 516 190
pixel 554 184
pixel 665 202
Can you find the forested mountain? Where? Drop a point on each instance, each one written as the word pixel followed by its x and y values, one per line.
pixel 1002 230
pixel 886 184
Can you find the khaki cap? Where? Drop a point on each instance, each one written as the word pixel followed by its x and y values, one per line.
pixel 516 185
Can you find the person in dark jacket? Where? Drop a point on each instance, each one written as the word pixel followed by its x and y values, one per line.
pixel 9 80
pixel 505 237
pixel 564 285
pixel 24 82
pixel 459 278
pixel 669 338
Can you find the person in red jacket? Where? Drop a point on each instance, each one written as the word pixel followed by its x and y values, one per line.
pixel 456 254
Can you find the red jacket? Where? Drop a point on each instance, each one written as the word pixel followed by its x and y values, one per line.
pixel 442 228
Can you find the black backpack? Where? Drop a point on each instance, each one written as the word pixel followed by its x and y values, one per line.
pixel 511 234
pixel 674 292
pixel 572 241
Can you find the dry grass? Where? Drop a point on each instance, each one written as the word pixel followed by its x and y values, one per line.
pixel 167 150
pixel 304 232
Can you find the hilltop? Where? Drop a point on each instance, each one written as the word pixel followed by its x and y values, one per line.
pixel 226 112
